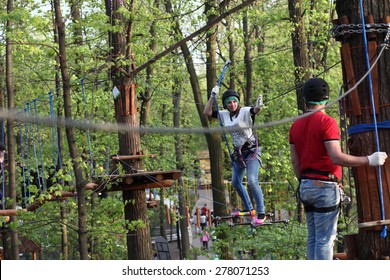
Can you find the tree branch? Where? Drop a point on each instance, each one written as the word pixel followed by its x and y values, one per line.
pixel 189 37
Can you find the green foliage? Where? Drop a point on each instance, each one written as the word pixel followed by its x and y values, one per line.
pixel 276 242
pixel 34 72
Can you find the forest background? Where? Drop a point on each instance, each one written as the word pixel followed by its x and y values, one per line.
pixel 260 41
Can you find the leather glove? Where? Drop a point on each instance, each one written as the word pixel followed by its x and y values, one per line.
pixel 259 101
pixel 377 158
pixel 215 91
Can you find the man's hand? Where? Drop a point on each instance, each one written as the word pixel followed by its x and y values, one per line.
pixel 377 158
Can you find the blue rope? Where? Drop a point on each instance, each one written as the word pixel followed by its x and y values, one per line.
pixel 23 173
pixel 241 187
pixel 384 228
pixel 360 128
pixel 53 131
pixel 87 119
pixel 34 149
pixel 40 146
pixel 26 154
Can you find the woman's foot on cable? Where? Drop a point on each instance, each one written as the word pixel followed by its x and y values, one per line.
pixel 260 219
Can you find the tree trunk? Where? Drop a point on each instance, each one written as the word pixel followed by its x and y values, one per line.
pixel 10 135
pixel 147 95
pixel 64 230
pixel 138 239
pixel 247 60
pixel 80 182
pixel 185 243
pixel 214 139
pixel 371 195
pixel 301 63
pixel 300 52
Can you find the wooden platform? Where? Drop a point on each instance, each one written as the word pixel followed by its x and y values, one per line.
pixel 139 180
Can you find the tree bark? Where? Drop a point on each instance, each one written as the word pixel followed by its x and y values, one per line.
pixel 184 238
pixel 247 60
pixel 301 63
pixel 10 135
pixel 370 244
pixel 138 239
pixel 79 178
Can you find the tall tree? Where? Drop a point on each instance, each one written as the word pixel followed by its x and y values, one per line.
pixel 301 62
pixel 185 243
pixel 78 172
pixel 10 132
pixel 214 139
pixel 138 238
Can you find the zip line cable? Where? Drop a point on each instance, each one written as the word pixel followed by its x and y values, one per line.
pixel 119 127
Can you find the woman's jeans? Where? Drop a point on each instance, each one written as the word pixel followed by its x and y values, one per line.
pixel 322 227
pixel 252 170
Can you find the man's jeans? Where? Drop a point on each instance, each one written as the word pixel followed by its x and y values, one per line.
pixel 322 227
pixel 252 169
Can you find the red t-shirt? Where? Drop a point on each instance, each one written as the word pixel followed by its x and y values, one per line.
pixel 308 136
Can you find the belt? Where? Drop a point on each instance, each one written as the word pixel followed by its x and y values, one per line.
pixel 331 176
pixel 319 182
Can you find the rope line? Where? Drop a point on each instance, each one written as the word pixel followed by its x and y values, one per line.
pixel 88 131
pixel 10 114
pixel 384 228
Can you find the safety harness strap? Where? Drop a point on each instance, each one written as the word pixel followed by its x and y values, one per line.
pixel 311 208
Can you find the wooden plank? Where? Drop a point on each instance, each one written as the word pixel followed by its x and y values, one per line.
pixel 11 212
pixel 374 223
pixel 127 157
pixel 170 174
pixel 125 187
pixel 351 78
pixel 372 53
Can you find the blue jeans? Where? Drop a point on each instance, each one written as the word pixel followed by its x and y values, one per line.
pixel 321 227
pixel 252 169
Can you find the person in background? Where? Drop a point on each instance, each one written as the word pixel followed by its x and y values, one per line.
pixel 203 221
pixel 246 154
pixel 205 238
pixel 317 161
pixel 204 210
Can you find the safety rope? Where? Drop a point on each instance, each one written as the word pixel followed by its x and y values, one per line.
pixel 40 148
pixel 34 147
pixel 23 170
pixel 26 125
pixel 384 228
pixel 88 131
pixel 53 132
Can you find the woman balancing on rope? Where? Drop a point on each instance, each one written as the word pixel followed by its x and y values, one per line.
pixel 246 155
pixel 317 158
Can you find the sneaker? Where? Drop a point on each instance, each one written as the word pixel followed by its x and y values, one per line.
pixel 259 220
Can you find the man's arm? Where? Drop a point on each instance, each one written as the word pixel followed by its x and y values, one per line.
pixel 339 158
pixel 295 161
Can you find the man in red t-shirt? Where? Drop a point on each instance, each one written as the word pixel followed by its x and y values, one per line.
pixel 317 161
